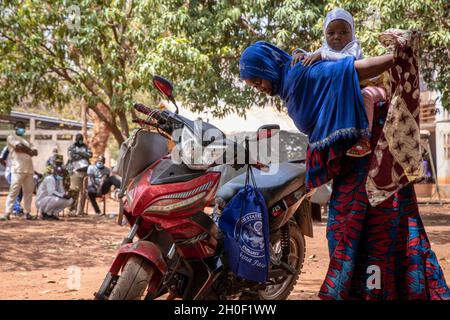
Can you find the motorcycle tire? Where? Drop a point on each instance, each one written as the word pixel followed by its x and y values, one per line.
pixel 297 247
pixel 133 280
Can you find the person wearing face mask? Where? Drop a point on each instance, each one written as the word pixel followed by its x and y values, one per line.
pixel 55 155
pixel 79 155
pixel 51 197
pixel 100 182
pixel 21 152
pixel 6 162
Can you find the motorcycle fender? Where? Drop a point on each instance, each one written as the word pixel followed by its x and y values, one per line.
pixel 145 249
pixel 304 218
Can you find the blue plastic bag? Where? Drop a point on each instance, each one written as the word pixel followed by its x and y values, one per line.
pixel 245 225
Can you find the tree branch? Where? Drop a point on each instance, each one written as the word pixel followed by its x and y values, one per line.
pixel 243 22
pixel 124 123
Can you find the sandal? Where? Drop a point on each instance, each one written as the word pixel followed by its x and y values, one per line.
pixel 28 216
pixel 45 216
pixel 360 149
pixel 72 214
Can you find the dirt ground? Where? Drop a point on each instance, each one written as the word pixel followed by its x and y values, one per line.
pixel 37 258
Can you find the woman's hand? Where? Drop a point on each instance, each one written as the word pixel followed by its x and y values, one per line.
pixel 299 56
pixel 309 60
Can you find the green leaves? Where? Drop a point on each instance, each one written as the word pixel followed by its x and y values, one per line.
pixel 120 44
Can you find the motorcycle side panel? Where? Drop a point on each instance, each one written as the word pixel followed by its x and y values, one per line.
pixel 304 218
pixel 288 207
pixel 141 193
pixel 196 236
pixel 276 223
pixel 166 172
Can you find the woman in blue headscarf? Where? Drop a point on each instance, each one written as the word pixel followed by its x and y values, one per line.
pixel 323 100
pixel 376 252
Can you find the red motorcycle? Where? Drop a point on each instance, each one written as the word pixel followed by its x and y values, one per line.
pixel 179 250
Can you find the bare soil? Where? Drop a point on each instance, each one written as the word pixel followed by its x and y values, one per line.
pixel 36 257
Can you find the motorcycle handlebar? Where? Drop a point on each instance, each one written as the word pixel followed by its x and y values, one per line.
pixel 165 120
pixel 155 114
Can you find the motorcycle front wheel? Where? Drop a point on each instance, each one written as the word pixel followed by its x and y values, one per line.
pixel 133 280
pixel 296 257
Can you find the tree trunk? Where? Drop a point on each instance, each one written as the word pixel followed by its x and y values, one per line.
pixel 84 111
pixel 100 134
pixel 124 124
pixel 104 114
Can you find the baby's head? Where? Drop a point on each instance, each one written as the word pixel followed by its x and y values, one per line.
pixel 339 29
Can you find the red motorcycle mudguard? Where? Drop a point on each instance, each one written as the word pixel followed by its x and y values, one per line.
pixel 146 249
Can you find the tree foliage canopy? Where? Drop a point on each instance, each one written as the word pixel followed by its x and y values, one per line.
pixel 110 56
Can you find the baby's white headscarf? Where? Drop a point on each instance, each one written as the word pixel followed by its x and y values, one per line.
pixel 353 48
pixel 339 14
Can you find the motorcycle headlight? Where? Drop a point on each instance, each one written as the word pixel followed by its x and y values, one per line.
pixel 194 155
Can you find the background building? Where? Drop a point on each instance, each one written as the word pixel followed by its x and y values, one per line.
pixel 46 133
pixel 436 121
pixel 443 150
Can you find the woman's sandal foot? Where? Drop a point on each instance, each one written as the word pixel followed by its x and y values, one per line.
pixel 359 150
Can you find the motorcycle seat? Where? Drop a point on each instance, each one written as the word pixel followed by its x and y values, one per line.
pixel 274 185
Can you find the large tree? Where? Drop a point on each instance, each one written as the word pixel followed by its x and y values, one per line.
pixel 108 58
pixel 110 55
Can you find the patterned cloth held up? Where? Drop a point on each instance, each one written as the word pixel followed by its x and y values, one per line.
pixel 397 159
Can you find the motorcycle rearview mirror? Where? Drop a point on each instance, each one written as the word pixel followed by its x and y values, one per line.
pixel 267 131
pixel 166 88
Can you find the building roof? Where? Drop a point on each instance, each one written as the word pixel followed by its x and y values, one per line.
pixel 44 122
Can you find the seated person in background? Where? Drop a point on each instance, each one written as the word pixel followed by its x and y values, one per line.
pixel 55 155
pixel 51 198
pixel 100 182
pixel 57 161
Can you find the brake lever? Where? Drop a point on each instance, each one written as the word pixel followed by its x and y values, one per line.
pixel 261 166
pixel 143 122
pixel 165 131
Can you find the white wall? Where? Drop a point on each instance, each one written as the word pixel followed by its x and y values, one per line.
pixel 442 160
pixel 45 148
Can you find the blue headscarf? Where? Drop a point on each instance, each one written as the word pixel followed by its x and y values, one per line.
pixel 324 100
pixel 265 61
